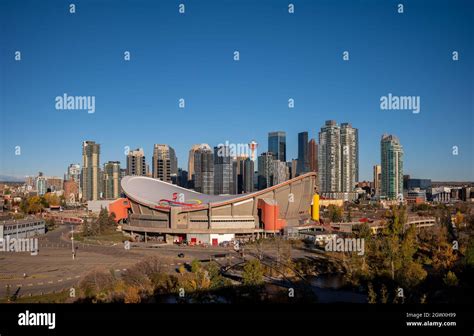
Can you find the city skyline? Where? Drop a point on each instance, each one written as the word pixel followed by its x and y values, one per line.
pixel 136 102
pixel 185 166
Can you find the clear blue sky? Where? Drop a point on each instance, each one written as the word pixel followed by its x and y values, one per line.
pixel 191 56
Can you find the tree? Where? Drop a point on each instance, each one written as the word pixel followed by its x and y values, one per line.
pixel 469 256
pixel 450 279
pixel 164 283
pixel 50 224
pixel 364 231
pixel 371 295
pixel 34 205
pixel 105 222
pixel 459 219
pixel 335 213
pixel 253 273
pixel 88 228
pixel 443 256
pixel 383 294
pixel 195 266
pixel 216 279
pixel 349 215
pixel 411 275
pixel 132 295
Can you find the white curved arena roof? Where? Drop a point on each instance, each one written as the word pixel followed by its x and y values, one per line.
pixel 147 190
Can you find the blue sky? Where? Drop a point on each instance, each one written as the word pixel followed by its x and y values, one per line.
pixel 191 56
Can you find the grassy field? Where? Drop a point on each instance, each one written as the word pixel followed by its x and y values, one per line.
pixel 110 237
pixel 61 297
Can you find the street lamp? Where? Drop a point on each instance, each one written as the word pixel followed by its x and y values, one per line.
pixel 72 243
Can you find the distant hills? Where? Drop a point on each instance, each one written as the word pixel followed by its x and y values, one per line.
pixel 10 179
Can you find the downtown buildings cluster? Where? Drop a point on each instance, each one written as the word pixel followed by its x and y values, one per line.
pixel 236 168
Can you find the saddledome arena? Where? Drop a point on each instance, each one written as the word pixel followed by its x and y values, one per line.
pixel 158 208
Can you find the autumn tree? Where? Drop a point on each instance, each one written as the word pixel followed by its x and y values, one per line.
pixel 34 205
pixel 51 199
pixel 253 273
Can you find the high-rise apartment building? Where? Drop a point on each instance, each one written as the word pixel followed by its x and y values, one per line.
pixel 349 157
pixel 377 172
pixel 41 184
pixel 136 163
pixel 111 180
pixel 277 145
pixel 392 167
pixel 329 157
pixel 338 157
pixel 165 163
pixel 90 171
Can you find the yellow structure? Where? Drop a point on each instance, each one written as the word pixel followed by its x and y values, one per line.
pixel 315 208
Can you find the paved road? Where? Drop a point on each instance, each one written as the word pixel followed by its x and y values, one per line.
pixel 53 268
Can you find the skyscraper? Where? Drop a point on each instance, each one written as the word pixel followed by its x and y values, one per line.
pixel 293 167
pixel 112 180
pixel 90 171
pixel 191 160
pixel 239 173
pixel 303 158
pixel 377 179
pixel 247 172
pixel 265 170
pixel 174 162
pixel 280 172
pixel 277 145
pixel 164 163
pixel 313 155
pixel 392 167
pixel 223 170
pixel 329 157
pixel 136 164
pixel 349 157
pixel 204 170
